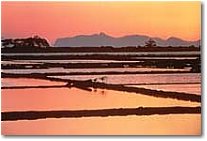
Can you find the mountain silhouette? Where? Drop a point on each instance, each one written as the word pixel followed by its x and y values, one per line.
pixel 102 39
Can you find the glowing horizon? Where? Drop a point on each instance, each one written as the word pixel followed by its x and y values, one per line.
pixel 54 20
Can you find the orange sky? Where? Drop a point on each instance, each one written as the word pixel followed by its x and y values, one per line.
pixel 61 19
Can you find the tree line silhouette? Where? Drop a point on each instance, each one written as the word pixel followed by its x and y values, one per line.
pixel 150 43
pixel 35 41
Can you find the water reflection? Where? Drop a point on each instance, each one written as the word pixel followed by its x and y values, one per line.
pixel 9 82
pixel 89 60
pixel 188 124
pixel 66 99
pixel 141 78
pixel 104 53
pixel 58 70
pixel 76 99
pixel 189 88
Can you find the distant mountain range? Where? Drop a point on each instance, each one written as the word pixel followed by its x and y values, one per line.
pixel 102 39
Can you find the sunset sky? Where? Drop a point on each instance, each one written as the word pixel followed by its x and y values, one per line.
pixel 62 19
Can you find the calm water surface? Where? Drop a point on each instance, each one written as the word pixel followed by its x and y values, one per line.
pixel 58 70
pixel 103 53
pixel 141 78
pixel 76 99
pixel 130 125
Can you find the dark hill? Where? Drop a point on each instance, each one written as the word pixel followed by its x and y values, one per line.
pixel 102 39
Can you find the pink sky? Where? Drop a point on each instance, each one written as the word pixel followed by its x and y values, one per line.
pixel 61 19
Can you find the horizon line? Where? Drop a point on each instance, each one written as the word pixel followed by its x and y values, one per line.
pixel 97 33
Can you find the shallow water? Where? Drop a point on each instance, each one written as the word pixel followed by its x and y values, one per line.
pixel 103 53
pixel 188 124
pixel 9 82
pixel 186 88
pixel 39 99
pixel 58 70
pixel 89 61
pixel 67 61
pixel 19 62
pixel 76 99
pixel 141 78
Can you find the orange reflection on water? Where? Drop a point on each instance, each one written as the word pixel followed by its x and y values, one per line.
pixel 129 125
pixel 74 98
pixel 65 98
pixel 186 88
pixel 28 82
